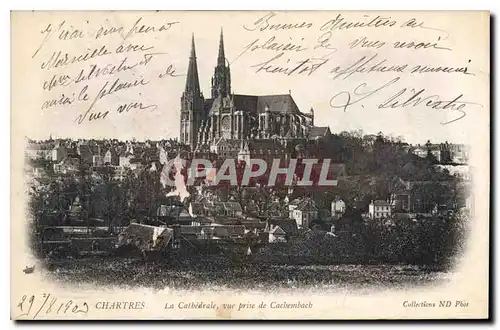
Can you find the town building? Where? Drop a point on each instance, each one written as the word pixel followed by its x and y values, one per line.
pixel 379 209
pixel 281 229
pixel 445 153
pixel 196 209
pixel 337 208
pixel 125 158
pixel 111 157
pixel 87 151
pixel 232 209
pixel 277 235
pixel 303 211
pixel 459 153
pixel 42 150
pixel 97 161
pixel 59 152
pixel 67 165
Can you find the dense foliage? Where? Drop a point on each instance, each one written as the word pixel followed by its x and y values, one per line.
pixel 374 164
pixel 426 241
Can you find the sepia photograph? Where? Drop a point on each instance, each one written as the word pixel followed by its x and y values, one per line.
pixel 250 165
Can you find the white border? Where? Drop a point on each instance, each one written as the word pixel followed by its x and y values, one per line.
pixel 492 5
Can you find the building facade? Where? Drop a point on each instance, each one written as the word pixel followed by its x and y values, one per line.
pixel 229 116
pixel 379 209
pixel 337 208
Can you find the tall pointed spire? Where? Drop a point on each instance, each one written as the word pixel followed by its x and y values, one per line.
pixel 221 81
pixel 191 103
pixel 193 50
pixel 221 59
pixel 192 80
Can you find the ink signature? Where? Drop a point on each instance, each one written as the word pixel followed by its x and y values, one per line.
pixel 404 98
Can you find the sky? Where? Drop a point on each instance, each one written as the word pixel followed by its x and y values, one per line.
pixel 145 101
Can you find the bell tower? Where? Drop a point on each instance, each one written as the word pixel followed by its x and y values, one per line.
pixel 191 103
pixel 221 81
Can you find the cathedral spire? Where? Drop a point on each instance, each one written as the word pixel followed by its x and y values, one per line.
pixel 221 59
pixel 221 81
pixel 191 103
pixel 192 80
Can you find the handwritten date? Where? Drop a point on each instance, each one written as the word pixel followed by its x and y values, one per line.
pixel 33 306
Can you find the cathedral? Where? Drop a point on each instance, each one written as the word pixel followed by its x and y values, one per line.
pixel 235 117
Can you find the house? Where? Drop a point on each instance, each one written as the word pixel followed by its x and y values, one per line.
pixel 400 194
pixel 146 238
pixel 77 213
pixel 196 209
pixel 253 224
pixel 227 148
pixel 97 161
pixel 174 213
pixel 269 149
pixel 443 152
pixel 305 212
pixel 437 154
pixel 162 156
pixel 275 209
pixel 209 207
pixel 111 157
pixel 171 210
pixel 226 231
pixel 58 153
pixel 459 153
pixel 136 164
pixel 39 172
pixel 420 152
pixel 277 235
pixel 244 153
pixel 125 158
pixel 319 132
pixel 129 148
pixel 338 208
pixel 87 153
pixel 379 209
pixel 293 204
pixel 67 165
pixel 39 150
pixel 288 226
pixel 190 232
pixel 201 221
pixel 232 209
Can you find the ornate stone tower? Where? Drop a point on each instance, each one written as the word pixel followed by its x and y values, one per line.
pixel 221 81
pixel 191 103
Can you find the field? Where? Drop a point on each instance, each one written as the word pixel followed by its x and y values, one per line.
pixel 221 273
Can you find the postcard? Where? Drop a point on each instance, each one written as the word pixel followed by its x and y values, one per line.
pixel 255 165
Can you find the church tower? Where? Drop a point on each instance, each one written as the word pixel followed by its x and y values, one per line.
pixel 191 103
pixel 221 81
